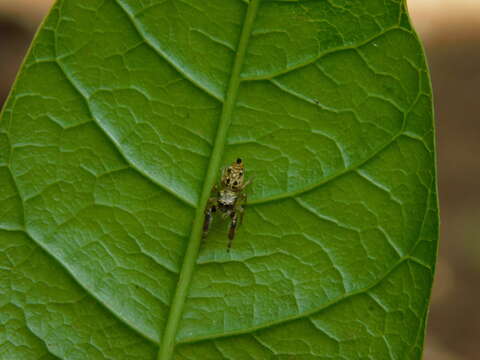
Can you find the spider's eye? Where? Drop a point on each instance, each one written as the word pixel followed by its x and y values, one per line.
pixel 239 161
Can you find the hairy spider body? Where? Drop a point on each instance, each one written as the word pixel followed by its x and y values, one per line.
pixel 228 199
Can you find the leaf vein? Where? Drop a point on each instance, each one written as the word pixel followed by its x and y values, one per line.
pixel 398 263
pixel 75 280
pixel 328 179
pixel 321 55
pixel 114 142
pixel 165 56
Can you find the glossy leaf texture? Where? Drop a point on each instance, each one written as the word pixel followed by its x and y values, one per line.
pixel 117 127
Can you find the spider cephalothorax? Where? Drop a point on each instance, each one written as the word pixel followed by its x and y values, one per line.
pixel 228 199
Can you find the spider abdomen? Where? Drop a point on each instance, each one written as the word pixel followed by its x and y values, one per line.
pixel 227 198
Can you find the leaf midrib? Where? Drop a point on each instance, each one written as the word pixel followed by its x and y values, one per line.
pixel 167 343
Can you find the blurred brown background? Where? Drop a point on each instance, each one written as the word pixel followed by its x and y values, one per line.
pixel 450 30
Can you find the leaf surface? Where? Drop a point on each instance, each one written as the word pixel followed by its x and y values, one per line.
pixel 114 133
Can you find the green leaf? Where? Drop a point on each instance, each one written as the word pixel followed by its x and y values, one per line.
pixel 114 134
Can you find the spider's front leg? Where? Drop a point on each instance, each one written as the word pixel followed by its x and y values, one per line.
pixel 248 182
pixel 237 217
pixel 209 212
pixel 232 230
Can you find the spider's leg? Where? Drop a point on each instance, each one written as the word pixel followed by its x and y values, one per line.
pixel 232 229
pixel 210 210
pixel 248 182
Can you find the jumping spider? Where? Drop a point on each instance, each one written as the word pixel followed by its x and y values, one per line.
pixel 229 199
